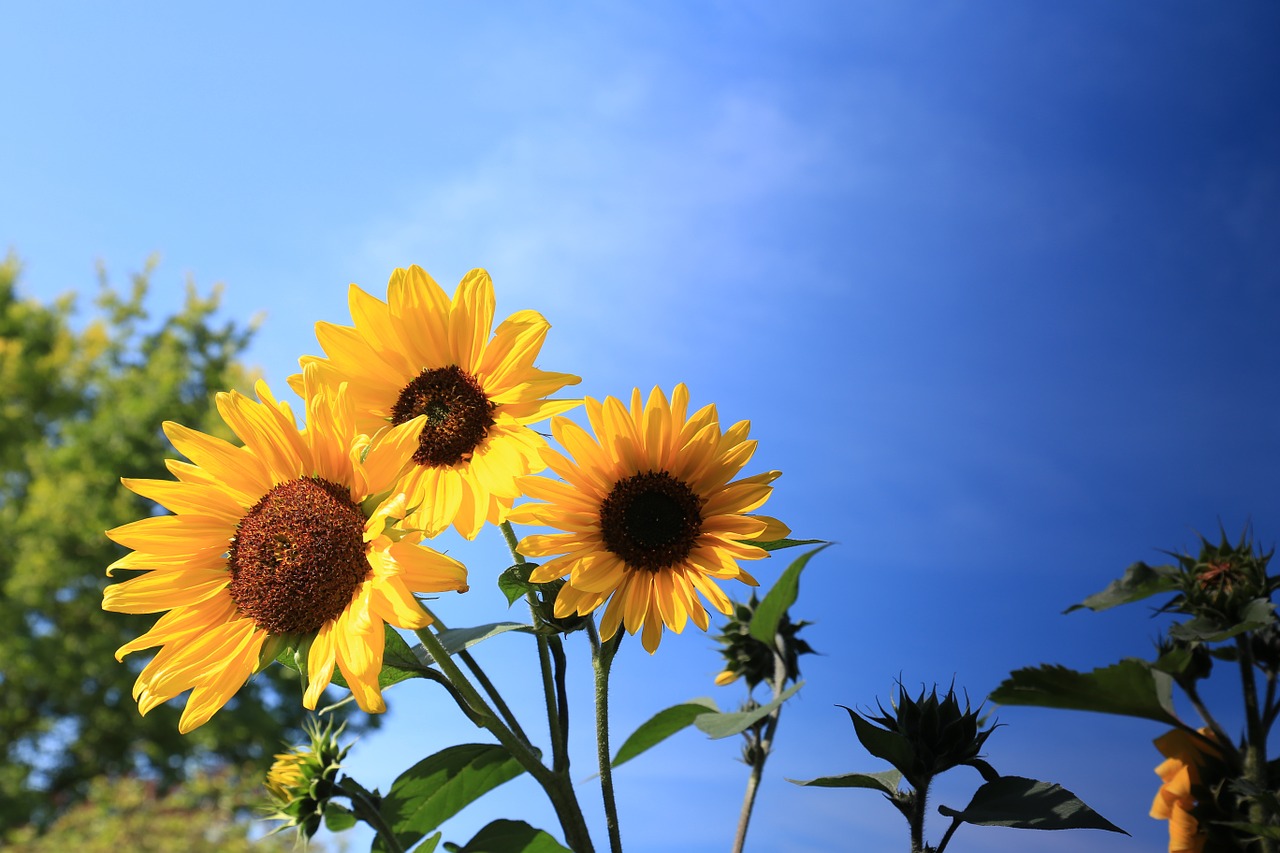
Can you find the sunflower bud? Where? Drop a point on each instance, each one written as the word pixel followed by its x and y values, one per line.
pixel 747 657
pixel 925 736
pixel 302 780
pixel 1222 580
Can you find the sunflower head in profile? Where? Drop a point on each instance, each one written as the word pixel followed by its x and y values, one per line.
pixel 288 540
pixel 421 353
pixel 651 514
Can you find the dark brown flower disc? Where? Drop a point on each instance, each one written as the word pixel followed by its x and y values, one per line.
pixel 459 415
pixel 651 520
pixel 298 556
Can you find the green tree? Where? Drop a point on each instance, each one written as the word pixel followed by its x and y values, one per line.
pixel 80 406
pixel 211 813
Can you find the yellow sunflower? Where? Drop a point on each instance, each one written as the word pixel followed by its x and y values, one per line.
pixel 651 512
pixel 420 353
pixel 274 543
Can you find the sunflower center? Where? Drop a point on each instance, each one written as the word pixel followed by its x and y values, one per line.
pixel 297 556
pixel 459 415
pixel 651 520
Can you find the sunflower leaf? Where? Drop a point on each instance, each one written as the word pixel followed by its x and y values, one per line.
pixel 886 781
pixel 510 836
pixel 1203 629
pixel 514 582
pixel 1022 803
pixel 726 723
pixel 1138 582
pixel 1131 688
pixel 779 544
pixel 455 640
pixel 661 726
pixel 768 615
pixel 398 662
pixel 438 787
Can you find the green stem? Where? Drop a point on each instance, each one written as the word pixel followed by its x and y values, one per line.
pixel 602 660
pixel 951 830
pixel 749 798
pixel 513 544
pixel 1255 754
pixel 367 811
pixel 763 745
pixel 916 818
pixel 1220 741
pixel 558 787
pixel 557 712
pixel 488 686
pixel 562 692
pixel 559 751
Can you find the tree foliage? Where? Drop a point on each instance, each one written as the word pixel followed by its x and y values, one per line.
pixel 80 406
pixel 212 812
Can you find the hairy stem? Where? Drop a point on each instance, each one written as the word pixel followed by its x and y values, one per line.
pixel 558 787
pixel 1255 754
pixel 602 659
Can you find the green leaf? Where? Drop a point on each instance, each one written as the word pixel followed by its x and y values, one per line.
pixel 1138 582
pixel 337 818
pixel 768 615
pixel 398 662
pixel 779 544
pixel 724 724
pixel 514 582
pixel 1022 803
pixel 510 836
pixel 886 781
pixel 1131 688
pixel 1257 614
pixel 661 726
pixel 455 640
pixel 436 788
pixel 1257 830
pixel 890 746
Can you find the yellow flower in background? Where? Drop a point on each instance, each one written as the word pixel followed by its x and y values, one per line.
pixel 1184 753
pixel 420 353
pixel 272 544
pixel 651 514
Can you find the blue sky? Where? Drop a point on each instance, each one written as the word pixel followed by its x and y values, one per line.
pixel 996 285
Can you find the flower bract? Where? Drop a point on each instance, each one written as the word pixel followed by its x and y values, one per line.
pixel 422 353
pixel 650 513
pixel 288 540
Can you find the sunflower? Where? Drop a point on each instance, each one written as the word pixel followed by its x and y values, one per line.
pixel 650 514
pixel 274 544
pixel 419 353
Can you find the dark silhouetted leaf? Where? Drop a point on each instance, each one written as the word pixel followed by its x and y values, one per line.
pixel 510 836
pixel 886 781
pixel 1131 688
pixel 1022 803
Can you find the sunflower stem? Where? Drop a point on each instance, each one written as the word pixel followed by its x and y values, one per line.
pixel 764 743
pixel 562 692
pixel 558 787
pixel 602 658
pixel 1255 755
pixel 368 811
pixel 486 684
pixel 559 754
pixel 512 542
